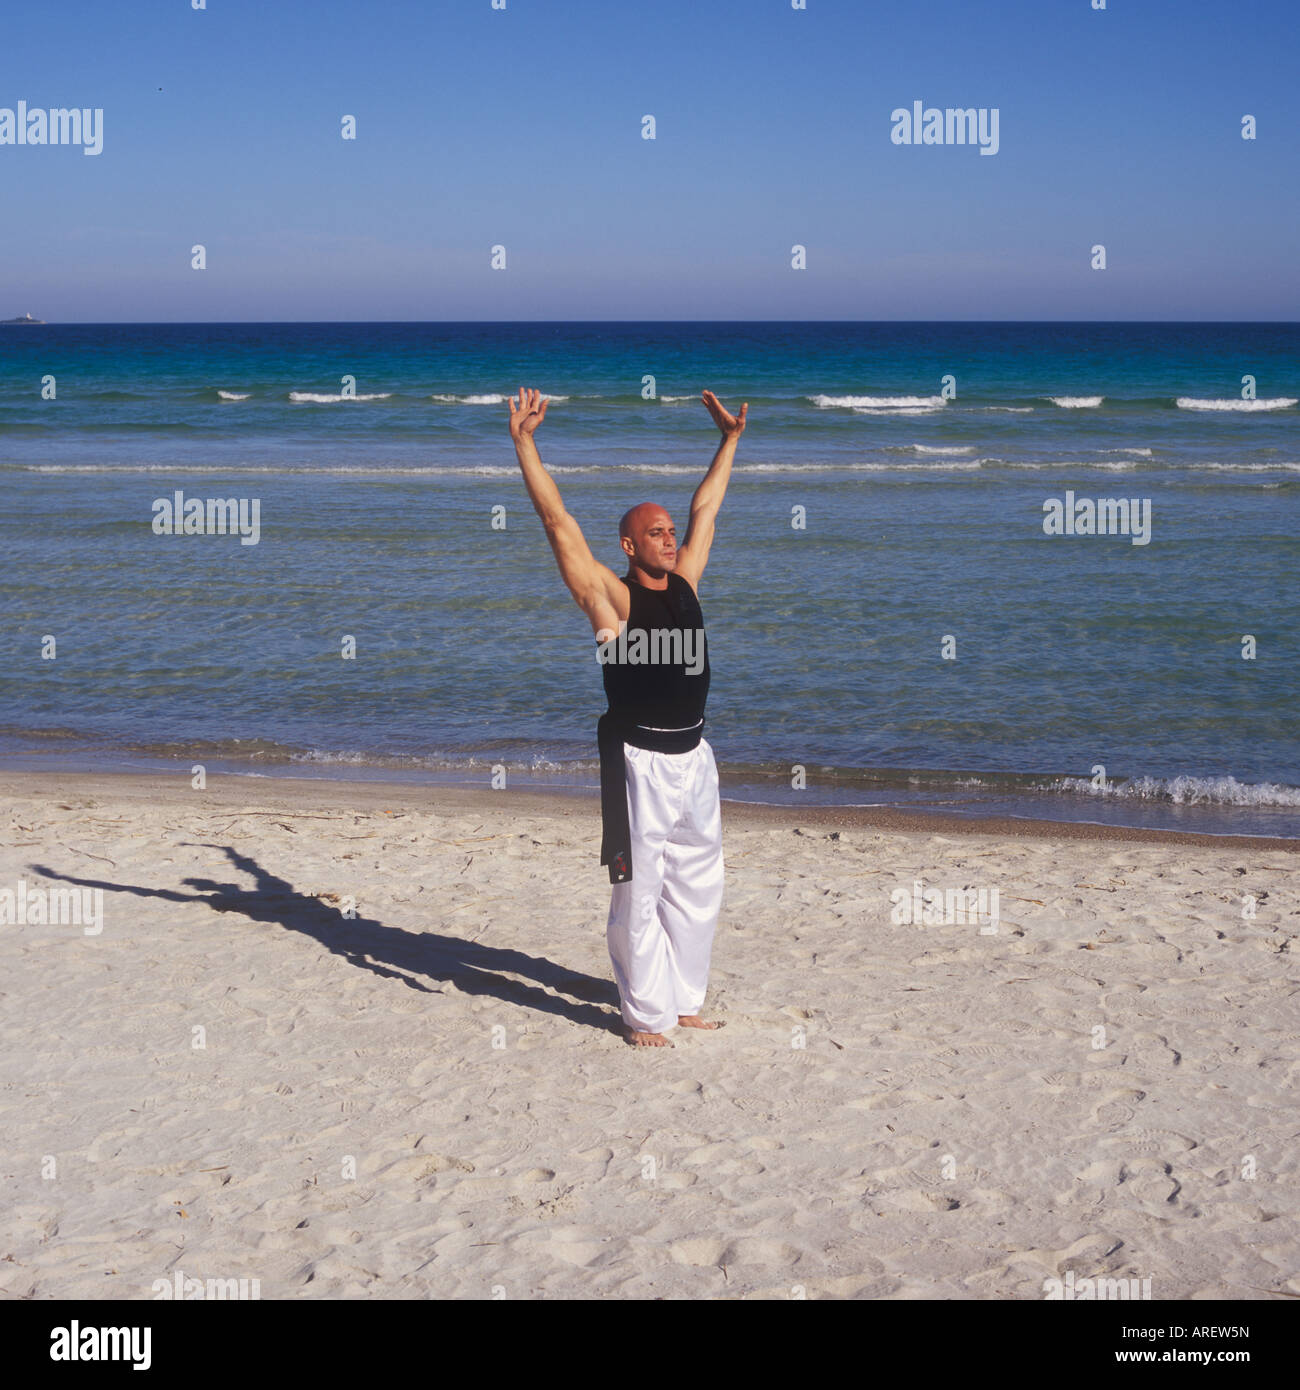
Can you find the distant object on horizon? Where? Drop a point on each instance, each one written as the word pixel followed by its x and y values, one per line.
pixel 26 318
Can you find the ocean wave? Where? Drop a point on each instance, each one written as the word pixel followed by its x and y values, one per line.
pixel 494 470
pixel 1187 791
pixel 537 762
pixel 941 449
pixel 234 395
pixel 877 403
pixel 484 470
pixel 693 470
pixel 1042 465
pixel 485 398
pixel 323 398
pixel 930 462
pixel 1077 402
pixel 1141 453
pixel 1246 467
pixel 1235 403
pixel 1011 409
pixel 948 466
pixel 954 466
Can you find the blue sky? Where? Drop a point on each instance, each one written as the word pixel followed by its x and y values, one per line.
pixel 523 127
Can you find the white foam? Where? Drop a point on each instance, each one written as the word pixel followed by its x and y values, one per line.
pixel 951 466
pixel 1235 403
pixel 964 466
pixel 489 398
pixel 1191 791
pixel 1246 467
pixel 946 467
pixel 1141 453
pixel 672 469
pixel 320 398
pixel 877 403
pixel 1117 466
pixel 937 465
pixel 1011 409
pixel 234 395
pixel 1077 402
pixel 942 449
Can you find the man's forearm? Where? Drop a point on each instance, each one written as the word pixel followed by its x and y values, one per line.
pixel 541 486
pixel 712 490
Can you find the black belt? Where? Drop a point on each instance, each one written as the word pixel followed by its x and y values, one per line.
pixel 612 732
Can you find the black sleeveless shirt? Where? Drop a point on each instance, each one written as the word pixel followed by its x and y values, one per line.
pixel 668 686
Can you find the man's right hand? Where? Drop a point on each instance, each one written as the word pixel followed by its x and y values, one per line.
pixel 530 413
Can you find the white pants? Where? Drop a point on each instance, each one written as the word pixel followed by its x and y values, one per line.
pixel 660 929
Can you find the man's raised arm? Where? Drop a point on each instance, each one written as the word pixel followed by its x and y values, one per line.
pixel 694 554
pixel 587 579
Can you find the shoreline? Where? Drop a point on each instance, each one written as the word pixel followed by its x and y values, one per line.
pixel 1214 804
pixel 233 790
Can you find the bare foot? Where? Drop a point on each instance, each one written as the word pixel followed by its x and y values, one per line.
pixel 645 1039
pixel 695 1021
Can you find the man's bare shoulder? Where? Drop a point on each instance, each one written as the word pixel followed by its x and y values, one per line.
pixel 617 591
pixel 687 569
pixel 621 598
pixel 609 604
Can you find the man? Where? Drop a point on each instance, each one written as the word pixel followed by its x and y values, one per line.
pixel 662 824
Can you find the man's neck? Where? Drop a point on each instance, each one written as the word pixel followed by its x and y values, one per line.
pixel 645 580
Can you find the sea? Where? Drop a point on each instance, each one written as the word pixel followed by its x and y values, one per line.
pixel 905 602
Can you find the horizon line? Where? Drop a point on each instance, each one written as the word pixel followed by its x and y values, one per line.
pixel 261 323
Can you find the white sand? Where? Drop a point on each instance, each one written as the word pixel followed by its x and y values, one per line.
pixel 560 1162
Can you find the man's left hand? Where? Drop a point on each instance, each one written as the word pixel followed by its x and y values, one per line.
pixel 731 425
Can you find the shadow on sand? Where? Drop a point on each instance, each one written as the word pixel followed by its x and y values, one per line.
pixel 391 951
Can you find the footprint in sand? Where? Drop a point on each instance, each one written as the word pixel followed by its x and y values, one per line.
pixel 889 1099
pixel 1152 1141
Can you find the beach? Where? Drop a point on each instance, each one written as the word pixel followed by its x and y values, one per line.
pixel 622 692
pixel 360 1040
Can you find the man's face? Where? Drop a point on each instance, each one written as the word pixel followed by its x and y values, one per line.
pixel 654 540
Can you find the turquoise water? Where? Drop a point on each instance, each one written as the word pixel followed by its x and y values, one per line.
pixel 924 519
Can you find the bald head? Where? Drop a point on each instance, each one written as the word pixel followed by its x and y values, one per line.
pixel 648 538
pixel 636 519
